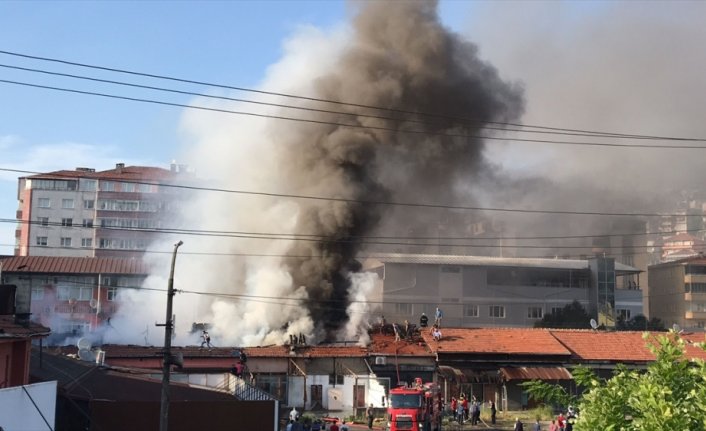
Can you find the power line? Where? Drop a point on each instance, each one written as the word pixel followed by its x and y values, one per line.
pixel 348 125
pixel 295 236
pixel 328 111
pixel 366 255
pixel 314 99
pixel 322 239
pixel 361 201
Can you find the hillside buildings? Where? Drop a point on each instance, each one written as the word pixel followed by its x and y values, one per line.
pixel 112 213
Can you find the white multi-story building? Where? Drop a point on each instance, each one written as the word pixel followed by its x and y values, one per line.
pixel 112 213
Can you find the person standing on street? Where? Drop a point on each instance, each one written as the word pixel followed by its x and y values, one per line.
pixel 537 426
pixel 518 425
pixel 493 411
pixel 370 414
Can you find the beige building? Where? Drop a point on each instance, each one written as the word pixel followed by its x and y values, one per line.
pixel 677 292
pixel 84 213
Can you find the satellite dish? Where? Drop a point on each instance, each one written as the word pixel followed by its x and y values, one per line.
pixel 84 344
pixel 676 328
pixel 93 303
pixel 594 324
pixel 87 355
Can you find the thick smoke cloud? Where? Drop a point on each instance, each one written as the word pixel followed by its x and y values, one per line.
pixel 400 58
pixel 395 55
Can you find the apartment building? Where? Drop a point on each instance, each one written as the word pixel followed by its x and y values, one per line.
pixel 677 292
pixel 475 291
pixel 84 213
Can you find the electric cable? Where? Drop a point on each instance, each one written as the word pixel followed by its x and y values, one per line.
pixel 343 103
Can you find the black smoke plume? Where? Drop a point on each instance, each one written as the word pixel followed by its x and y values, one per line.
pixel 400 57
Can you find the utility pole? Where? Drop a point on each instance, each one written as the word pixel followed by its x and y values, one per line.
pixel 168 326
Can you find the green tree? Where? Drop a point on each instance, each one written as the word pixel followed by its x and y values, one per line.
pixel 639 323
pixel 572 316
pixel 669 395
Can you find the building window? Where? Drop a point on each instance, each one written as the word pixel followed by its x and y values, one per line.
pixel 67 222
pixel 86 242
pixel 335 379
pixel 535 312
pixel 695 287
pixel 89 204
pixel 43 221
pixel 111 293
pixel 87 185
pixel 42 240
pixel 144 188
pixel 64 293
pixel 88 222
pixel 496 311
pixel 107 186
pixel 624 313
pixel 37 293
pixel 67 204
pixel 44 203
pixel 403 309
pixel 65 242
pixel 557 310
pixel 470 310
pixel 127 187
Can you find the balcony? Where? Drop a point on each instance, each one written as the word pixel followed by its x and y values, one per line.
pixel 701 315
pixel 695 296
pixel 695 278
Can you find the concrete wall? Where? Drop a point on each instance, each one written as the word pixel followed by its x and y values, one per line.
pixel 666 291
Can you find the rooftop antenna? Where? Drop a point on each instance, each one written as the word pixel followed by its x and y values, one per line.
pixel 594 324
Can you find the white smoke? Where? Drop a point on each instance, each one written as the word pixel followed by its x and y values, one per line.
pixel 361 307
pixel 250 299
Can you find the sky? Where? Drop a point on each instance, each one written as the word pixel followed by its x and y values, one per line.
pixel 632 67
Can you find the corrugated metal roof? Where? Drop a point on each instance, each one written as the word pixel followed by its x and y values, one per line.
pixel 538 373
pixel 438 259
pixel 74 265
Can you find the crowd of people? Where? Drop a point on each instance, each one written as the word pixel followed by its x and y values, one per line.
pixel 465 410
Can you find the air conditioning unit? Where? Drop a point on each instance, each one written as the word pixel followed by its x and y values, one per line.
pixel 380 360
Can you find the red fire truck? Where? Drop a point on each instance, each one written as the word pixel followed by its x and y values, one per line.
pixel 412 407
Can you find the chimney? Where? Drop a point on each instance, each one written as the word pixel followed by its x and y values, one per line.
pixel 119 167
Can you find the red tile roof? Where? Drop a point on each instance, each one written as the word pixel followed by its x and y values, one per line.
pixel 74 265
pixel 10 329
pixel 525 341
pixel 587 345
pixel 124 173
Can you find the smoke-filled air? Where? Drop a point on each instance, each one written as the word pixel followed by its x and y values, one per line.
pixel 281 264
pixel 394 55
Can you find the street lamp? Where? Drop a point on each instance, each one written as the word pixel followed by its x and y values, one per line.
pixel 168 326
